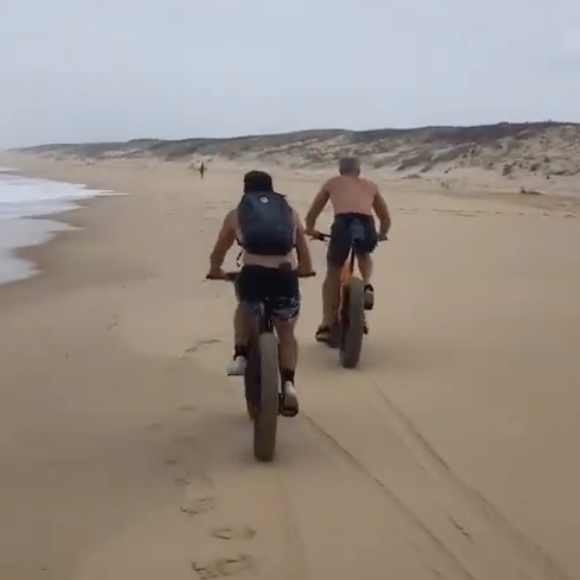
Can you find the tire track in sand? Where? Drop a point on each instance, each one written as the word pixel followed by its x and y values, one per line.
pixel 458 521
pixel 440 559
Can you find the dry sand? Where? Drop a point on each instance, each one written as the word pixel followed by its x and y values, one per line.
pixel 125 452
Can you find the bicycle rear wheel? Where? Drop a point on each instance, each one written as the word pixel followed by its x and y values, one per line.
pixel 266 420
pixel 352 323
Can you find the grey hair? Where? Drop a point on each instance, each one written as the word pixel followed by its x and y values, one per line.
pixel 349 166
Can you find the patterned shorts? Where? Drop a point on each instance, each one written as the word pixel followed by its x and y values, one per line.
pixel 279 286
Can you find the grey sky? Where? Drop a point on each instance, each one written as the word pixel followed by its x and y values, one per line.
pixel 78 70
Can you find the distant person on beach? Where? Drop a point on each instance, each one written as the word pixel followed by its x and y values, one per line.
pixel 353 199
pixel 202 169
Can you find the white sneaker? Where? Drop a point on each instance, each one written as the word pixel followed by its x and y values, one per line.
pixel 290 407
pixel 237 366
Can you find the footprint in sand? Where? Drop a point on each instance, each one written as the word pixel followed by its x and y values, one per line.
pixel 198 506
pixel 225 566
pixel 196 479
pixel 233 533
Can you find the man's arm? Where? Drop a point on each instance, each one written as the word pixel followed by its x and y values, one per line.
pixel 225 240
pixel 382 211
pixel 316 208
pixel 302 249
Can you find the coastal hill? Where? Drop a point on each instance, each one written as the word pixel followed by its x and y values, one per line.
pixel 543 149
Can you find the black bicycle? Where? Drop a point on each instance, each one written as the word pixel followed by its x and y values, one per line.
pixel 262 384
pixel 350 327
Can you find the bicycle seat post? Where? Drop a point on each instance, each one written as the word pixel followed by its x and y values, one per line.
pixel 263 313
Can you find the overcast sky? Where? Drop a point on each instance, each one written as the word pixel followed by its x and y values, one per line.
pixel 80 70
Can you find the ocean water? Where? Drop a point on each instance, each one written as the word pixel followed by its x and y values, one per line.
pixel 24 198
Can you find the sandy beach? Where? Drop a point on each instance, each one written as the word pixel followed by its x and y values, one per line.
pixel 125 452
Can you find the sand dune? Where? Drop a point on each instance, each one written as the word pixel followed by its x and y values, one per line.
pixel 448 454
pixel 541 157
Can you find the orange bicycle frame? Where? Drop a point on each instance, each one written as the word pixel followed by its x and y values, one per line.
pixel 346 274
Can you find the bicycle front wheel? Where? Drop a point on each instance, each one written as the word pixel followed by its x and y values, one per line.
pixel 266 421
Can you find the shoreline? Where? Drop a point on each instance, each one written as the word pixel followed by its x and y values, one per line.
pixel 52 269
pixel 54 223
pixel 38 254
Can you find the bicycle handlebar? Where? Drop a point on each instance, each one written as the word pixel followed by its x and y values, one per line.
pixel 322 237
pixel 233 275
pixel 227 277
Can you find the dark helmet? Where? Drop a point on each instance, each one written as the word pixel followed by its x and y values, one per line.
pixel 258 182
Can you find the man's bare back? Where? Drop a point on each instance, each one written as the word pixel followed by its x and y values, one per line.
pixel 350 194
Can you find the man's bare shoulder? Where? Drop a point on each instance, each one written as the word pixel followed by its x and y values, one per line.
pixel 231 218
pixel 370 184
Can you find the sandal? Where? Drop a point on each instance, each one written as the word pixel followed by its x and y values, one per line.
pixel 322 333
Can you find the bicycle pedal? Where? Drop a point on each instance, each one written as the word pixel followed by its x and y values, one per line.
pixel 369 301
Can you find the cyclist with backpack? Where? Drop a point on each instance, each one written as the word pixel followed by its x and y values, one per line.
pixel 268 229
pixel 353 199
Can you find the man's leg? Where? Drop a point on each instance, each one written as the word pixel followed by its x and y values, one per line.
pixel 286 317
pixel 365 262
pixel 330 295
pixel 338 249
pixel 288 360
pixel 365 265
pixel 245 287
pixel 238 364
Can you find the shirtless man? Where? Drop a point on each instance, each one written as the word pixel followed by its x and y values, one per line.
pixel 353 199
pixel 269 271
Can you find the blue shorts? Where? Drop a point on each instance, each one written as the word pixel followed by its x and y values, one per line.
pixel 351 230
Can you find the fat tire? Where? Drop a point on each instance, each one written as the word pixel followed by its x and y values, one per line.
pixel 252 380
pixel 352 331
pixel 266 421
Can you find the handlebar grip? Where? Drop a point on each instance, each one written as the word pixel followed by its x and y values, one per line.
pixel 227 277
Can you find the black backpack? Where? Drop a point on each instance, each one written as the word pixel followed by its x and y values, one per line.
pixel 266 223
